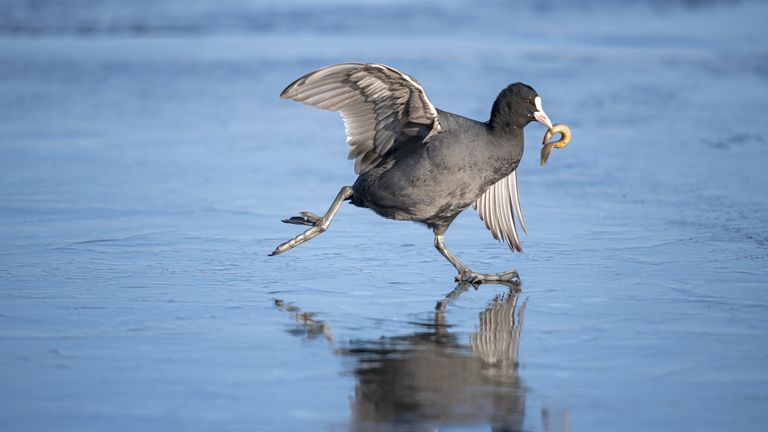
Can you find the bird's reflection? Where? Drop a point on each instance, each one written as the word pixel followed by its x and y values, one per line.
pixel 430 378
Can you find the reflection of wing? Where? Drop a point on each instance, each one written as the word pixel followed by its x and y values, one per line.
pixel 498 338
pixel 498 206
pixel 377 102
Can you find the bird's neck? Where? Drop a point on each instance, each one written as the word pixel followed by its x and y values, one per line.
pixel 505 149
pixel 505 122
pixel 505 135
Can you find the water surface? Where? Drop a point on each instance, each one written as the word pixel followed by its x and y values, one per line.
pixel 147 160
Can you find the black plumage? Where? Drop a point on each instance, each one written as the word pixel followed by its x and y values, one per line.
pixel 418 163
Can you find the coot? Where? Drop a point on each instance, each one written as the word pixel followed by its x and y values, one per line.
pixel 418 163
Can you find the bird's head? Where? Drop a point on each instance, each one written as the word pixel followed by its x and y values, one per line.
pixel 516 106
pixel 519 104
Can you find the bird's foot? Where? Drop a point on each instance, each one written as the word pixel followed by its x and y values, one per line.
pixel 305 218
pixel 511 277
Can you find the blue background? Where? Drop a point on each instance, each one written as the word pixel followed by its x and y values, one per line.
pixel 146 162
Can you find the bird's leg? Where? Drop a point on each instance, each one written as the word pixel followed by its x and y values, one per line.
pixel 467 275
pixel 453 259
pixel 318 224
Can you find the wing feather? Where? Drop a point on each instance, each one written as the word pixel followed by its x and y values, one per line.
pixel 375 101
pixel 499 207
pixel 509 220
pixel 516 200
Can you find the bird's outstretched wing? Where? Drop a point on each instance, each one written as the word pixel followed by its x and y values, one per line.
pixel 498 207
pixel 378 105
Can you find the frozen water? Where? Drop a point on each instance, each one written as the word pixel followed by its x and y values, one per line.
pixel 147 160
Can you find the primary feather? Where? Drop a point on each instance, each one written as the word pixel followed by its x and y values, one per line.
pixel 377 103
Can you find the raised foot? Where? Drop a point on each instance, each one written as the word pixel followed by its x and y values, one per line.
pixel 305 218
pixel 477 278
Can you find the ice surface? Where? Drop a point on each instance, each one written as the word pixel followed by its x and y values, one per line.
pixel 147 160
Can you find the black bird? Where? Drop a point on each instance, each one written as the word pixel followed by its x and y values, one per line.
pixel 418 163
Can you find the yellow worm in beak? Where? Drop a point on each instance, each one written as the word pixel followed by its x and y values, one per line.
pixel 565 138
